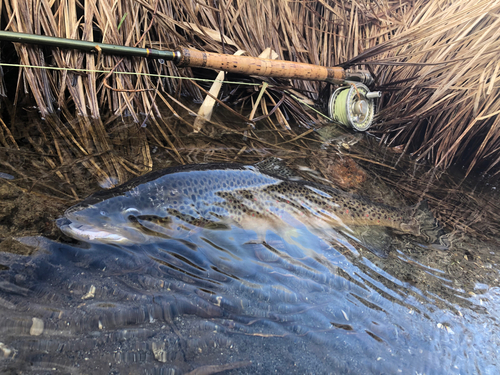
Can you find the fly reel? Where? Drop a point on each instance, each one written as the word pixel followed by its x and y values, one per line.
pixel 353 106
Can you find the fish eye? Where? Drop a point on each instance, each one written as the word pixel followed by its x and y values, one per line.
pixel 103 213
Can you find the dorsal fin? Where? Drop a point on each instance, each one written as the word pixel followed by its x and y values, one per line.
pixel 276 167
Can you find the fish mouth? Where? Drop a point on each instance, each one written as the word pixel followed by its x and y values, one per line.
pixel 91 233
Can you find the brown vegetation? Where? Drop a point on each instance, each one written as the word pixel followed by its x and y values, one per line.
pixel 434 60
pixel 442 77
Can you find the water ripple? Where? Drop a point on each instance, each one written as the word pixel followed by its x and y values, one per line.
pixel 225 297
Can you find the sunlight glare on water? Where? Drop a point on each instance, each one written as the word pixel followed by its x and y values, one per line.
pixel 225 298
pixel 250 299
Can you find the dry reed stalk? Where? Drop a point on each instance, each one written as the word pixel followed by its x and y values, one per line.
pixel 434 59
pixel 287 27
pixel 444 83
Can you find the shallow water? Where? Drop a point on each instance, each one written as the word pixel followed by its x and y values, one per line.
pixel 208 301
pixel 218 300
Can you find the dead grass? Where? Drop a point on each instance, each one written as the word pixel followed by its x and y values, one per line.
pixel 435 61
pixel 77 106
pixel 442 77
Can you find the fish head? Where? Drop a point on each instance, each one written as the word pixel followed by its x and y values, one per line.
pixel 106 221
pixel 144 208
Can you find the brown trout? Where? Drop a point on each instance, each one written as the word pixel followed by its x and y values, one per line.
pixel 260 197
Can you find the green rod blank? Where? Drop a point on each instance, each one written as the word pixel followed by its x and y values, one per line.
pixel 86 46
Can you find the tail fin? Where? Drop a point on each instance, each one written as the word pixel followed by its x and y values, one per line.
pixel 430 229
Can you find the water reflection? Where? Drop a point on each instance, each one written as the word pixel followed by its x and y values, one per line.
pixel 223 300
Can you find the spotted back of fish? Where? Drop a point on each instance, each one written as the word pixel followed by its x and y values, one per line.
pixel 216 195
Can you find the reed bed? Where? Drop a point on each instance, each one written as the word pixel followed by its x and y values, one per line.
pixel 77 105
pixel 441 75
pixel 435 61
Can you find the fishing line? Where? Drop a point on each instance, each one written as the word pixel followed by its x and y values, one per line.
pixel 132 73
pixel 308 106
pixel 80 70
pixel 347 106
pixel 340 110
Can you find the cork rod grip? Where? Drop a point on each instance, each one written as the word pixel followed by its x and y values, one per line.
pixel 259 67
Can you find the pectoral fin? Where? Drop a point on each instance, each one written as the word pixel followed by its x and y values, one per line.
pixel 375 239
pixel 411 228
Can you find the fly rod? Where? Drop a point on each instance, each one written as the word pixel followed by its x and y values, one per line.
pixel 354 107
pixel 199 59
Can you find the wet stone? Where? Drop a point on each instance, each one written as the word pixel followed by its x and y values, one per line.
pixel 37 327
pixel 10 245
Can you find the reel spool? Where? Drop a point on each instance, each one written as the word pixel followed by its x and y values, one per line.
pixel 353 106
